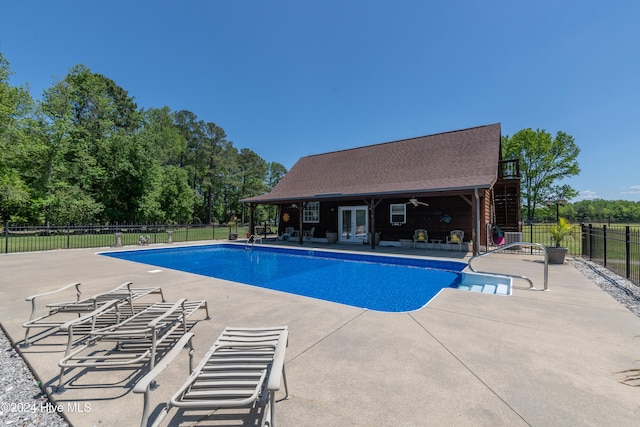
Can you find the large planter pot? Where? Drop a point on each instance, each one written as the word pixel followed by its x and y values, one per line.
pixel 556 255
pixel 332 237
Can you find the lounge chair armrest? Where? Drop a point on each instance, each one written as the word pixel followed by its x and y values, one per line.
pixel 178 305
pixel 32 299
pixel 89 316
pixel 76 284
pixel 275 376
pixel 142 385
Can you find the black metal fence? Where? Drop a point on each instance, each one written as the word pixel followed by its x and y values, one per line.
pixel 41 238
pixel 536 233
pixel 614 247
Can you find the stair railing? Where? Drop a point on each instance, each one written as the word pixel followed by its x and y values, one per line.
pixel 251 241
pixel 509 245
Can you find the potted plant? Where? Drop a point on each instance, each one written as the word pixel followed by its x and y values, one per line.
pixel 559 231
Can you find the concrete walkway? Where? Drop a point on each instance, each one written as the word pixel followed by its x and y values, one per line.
pixel 534 358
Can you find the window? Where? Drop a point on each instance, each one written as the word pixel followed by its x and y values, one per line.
pixel 311 212
pixel 399 214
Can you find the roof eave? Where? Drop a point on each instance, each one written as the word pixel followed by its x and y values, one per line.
pixel 384 195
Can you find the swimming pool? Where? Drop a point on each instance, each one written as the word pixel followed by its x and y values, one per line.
pixel 375 282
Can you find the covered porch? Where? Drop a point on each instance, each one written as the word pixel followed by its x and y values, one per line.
pixel 392 219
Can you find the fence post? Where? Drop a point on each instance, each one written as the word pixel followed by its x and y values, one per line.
pixel 627 249
pixel 531 236
pixel 68 235
pixel 590 242
pixel 604 244
pixel 6 237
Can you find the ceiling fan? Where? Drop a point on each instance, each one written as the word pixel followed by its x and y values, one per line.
pixel 413 201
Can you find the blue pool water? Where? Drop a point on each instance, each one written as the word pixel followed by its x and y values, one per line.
pixel 381 283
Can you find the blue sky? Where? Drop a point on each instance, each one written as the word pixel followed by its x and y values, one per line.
pixel 292 78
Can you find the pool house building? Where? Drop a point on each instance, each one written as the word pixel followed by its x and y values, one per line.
pixel 381 194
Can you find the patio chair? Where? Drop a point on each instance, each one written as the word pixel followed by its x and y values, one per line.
pixel 243 368
pixel 308 235
pixel 138 339
pixel 288 233
pixel 58 313
pixel 420 236
pixel 456 237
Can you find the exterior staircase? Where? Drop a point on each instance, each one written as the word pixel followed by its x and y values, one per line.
pixel 506 196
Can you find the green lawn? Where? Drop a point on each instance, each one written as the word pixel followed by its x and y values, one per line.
pixel 41 241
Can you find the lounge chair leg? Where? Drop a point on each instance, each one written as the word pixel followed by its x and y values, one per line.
pixel 60 387
pixel 145 410
pixel 272 409
pixel 286 388
pixel 206 308
pixel 57 389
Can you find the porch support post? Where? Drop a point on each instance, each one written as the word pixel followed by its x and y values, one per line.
pixel 475 219
pixel 476 216
pixel 372 204
pixel 300 215
pixel 278 220
pixel 252 227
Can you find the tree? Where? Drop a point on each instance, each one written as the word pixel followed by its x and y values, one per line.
pixel 93 126
pixel 543 161
pixel 167 196
pixel 165 141
pixel 15 105
pixel 86 153
pixel 275 172
pixel 220 163
pixel 253 174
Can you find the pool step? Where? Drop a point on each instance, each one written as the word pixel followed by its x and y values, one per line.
pixel 487 288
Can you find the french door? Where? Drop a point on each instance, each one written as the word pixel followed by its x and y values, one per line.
pixel 353 223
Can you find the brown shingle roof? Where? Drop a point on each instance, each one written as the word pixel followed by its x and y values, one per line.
pixel 448 161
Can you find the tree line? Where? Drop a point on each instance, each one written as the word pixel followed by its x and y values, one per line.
pixel 598 210
pixel 86 153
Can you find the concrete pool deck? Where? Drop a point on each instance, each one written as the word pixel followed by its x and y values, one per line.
pixel 533 358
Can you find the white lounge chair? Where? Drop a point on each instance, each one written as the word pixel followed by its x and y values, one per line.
pixel 137 339
pixel 243 368
pixel 58 313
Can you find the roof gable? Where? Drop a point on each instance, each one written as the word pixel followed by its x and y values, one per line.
pixel 453 160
